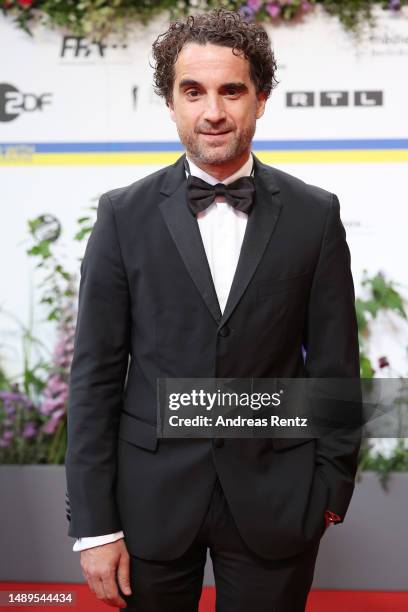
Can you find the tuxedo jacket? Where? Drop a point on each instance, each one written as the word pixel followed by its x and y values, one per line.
pixel 148 309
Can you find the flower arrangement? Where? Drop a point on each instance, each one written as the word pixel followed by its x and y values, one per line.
pixel 33 407
pixel 382 296
pixel 98 18
pixel 35 431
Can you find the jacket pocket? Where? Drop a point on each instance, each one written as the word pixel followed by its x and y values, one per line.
pixel 285 285
pixel 137 432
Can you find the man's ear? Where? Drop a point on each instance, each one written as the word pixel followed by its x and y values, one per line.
pixel 262 97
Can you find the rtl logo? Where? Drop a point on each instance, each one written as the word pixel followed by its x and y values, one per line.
pixel 305 99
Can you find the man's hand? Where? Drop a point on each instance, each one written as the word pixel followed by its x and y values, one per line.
pixel 105 567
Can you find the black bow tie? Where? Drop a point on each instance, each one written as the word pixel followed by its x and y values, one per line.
pixel 240 193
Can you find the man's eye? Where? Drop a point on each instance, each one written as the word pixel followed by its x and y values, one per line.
pixel 192 93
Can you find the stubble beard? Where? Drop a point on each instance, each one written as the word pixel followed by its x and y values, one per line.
pixel 200 151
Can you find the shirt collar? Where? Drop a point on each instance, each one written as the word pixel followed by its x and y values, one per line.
pixel 244 170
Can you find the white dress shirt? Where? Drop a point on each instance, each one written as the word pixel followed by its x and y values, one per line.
pixel 222 229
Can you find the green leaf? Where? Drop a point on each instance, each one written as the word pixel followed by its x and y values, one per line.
pixel 82 233
pixel 366 368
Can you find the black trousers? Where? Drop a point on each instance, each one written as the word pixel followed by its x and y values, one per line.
pixel 244 582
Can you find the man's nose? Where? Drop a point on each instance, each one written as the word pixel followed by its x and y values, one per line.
pixel 214 111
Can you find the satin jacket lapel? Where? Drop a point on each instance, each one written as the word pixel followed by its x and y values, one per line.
pixel 185 232
pixel 259 229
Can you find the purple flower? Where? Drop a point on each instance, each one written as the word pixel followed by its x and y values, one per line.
pixel 55 394
pixel 4 443
pixel 306 6
pixel 246 13
pixel 54 385
pixel 8 435
pixel 273 10
pixel 255 5
pixel 52 424
pixel 29 430
pixel 9 409
pixel 48 405
pixel 9 397
pixel 395 5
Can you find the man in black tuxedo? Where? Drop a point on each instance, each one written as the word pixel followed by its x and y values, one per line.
pixel 215 266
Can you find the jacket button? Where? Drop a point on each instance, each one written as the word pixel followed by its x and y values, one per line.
pixel 218 442
pixel 224 331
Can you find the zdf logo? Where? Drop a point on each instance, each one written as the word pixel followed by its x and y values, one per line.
pixel 13 102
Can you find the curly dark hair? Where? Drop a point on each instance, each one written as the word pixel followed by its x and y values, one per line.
pixel 219 27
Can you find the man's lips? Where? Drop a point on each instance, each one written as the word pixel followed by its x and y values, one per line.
pixel 214 135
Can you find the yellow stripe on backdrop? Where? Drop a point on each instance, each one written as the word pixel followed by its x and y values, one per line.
pixel 164 158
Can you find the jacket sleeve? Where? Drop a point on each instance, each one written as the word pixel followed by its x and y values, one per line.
pixel 97 378
pixel 332 351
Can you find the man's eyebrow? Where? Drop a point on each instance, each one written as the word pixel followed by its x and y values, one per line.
pixel 188 83
pixel 184 83
pixel 239 85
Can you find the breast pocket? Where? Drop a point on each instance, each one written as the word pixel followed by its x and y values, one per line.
pixel 276 288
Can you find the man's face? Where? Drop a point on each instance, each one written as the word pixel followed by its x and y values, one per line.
pixel 215 105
